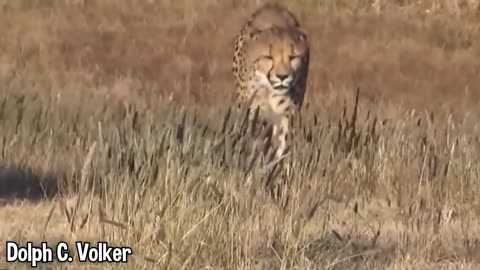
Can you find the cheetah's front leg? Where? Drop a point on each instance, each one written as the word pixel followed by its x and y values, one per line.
pixel 281 131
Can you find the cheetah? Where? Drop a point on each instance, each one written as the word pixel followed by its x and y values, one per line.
pixel 270 68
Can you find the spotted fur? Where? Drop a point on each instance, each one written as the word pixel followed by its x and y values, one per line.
pixel 270 67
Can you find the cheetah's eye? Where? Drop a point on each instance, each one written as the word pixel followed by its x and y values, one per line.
pixel 266 57
pixel 294 57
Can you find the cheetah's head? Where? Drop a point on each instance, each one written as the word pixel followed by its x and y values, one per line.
pixel 276 57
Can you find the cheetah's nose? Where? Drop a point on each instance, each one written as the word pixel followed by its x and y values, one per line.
pixel 282 77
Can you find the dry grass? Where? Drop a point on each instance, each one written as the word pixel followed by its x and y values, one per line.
pixel 95 145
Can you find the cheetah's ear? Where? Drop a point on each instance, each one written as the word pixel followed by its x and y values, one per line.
pixel 254 34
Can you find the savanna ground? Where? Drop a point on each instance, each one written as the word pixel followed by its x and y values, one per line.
pixel 114 127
